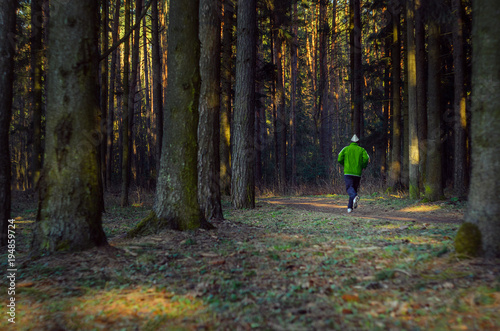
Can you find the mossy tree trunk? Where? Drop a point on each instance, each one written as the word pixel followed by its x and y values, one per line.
pixel 208 128
pixel 243 160
pixel 176 203
pixel 7 49
pixel 484 209
pixel 71 202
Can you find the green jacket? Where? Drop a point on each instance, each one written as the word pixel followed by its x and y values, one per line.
pixel 354 159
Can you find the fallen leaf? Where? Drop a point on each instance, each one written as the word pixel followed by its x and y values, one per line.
pixel 350 298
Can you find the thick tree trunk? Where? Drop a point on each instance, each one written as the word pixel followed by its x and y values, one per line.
pixel 483 208
pixel 208 127
pixel 395 164
pixel 412 103
pixel 226 98
pixel 325 149
pixel 460 173
pixel 243 180
pixel 69 213
pixel 433 186
pixel 280 100
pixel 7 49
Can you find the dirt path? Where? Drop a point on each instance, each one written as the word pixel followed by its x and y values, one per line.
pixel 372 209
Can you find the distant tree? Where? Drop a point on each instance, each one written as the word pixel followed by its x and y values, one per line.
pixel 243 180
pixel 157 82
pixel 209 110
pixel 483 208
pixel 7 49
pixel 104 89
pixel 356 50
pixel 71 202
pixel 421 66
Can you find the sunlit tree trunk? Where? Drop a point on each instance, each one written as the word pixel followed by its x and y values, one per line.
pixel 71 202
pixel 226 98
pixel 243 180
pixel 208 127
pixel 483 208
pixel 433 186
pixel 412 103
pixel 7 49
pixel 460 173
pixel 421 90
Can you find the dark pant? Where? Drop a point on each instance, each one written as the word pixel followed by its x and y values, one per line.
pixel 351 186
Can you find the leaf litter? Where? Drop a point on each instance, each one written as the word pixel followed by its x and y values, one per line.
pixel 295 263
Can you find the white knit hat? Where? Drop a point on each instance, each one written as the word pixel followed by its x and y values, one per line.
pixel 355 139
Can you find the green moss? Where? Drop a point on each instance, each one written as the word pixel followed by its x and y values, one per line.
pixel 63 246
pixel 414 192
pixel 468 240
pixel 148 225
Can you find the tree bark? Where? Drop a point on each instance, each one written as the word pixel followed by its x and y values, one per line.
pixel 434 187
pixel 483 207
pixel 395 164
pixel 325 149
pixel 243 180
pixel 36 86
pixel 460 173
pixel 157 84
pixel 226 98
pixel 356 69
pixel 126 134
pixel 421 91
pixel 412 103
pixel 7 49
pixel 293 95
pixel 104 89
pixel 208 127
pixel 69 213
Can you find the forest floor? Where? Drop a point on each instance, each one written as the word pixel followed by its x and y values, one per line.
pixel 292 263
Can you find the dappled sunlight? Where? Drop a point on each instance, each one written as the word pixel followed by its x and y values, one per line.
pixel 146 308
pixel 420 209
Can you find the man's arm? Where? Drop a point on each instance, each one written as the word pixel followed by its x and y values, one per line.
pixel 366 159
pixel 341 156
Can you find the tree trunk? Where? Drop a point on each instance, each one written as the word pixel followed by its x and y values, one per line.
pixel 421 91
pixel 36 86
pixel 460 173
pixel 104 88
pixel 208 127
pixel 176 202
pixel 395 165
pixel 7 49
pixel 243 180
pixel 71 202
pixel 412 103
pixel 226 98
pixel 126 134
pixel 356 69
pixel 293 96
pixel 326 151
pixel 483 208
pixel 111 100
pixel 434 187
pixel 157 85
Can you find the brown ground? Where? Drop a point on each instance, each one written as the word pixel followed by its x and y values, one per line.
pixel 370 208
